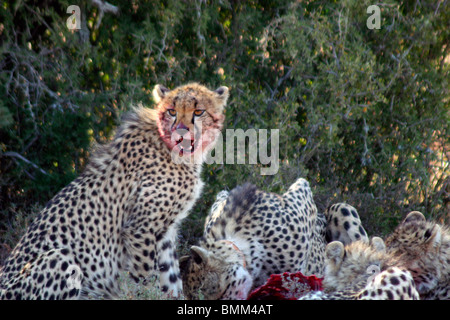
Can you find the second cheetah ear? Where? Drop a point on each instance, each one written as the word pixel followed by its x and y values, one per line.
pixel 335 253
pixel 378 244
pixel 222 94
pixel 414 216
pixel 183 263
pixel 433 236
pixel 159 92
pixel 199 254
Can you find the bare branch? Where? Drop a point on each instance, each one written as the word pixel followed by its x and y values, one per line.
pixel 18 156
pixel 103 7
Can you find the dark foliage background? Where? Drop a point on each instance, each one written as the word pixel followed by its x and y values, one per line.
pixel 363 114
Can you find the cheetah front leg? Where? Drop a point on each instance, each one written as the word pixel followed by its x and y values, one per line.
pixel 170 279
pixel 149 255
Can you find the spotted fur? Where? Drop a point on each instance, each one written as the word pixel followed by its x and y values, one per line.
pixel 344 224
pixel 251 234
pixel 392 284
pixel 363 271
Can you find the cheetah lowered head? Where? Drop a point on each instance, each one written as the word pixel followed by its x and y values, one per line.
pixel 189 119
pixel 422 247
pixel 219 273
pixel 363 271
pixel 350 267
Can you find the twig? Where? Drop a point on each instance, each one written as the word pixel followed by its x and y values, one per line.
pixel 16 155
pixel 103 7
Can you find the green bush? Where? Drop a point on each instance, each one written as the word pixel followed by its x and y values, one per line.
pixel 363 114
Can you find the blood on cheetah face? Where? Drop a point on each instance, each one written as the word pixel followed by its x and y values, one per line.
pixel 190 117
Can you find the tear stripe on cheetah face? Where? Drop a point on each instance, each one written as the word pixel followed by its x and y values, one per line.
pixel 275 233
pixel 120 214
pixel 423 247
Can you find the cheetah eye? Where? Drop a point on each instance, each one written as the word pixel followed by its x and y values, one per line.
pixel 172 112
pixel 198 113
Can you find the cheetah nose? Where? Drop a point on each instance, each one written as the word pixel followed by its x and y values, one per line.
pixel 181 132
pixel 182 136
pixel 181 126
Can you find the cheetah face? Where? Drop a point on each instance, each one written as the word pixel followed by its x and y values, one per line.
pixel 352 265
pixel 190 117
pixel 212 276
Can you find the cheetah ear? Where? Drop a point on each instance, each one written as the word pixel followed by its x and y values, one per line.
pixel 433 236
pixel 183 262
pixel 199 255
pixel 378 244
pixel 335 252
pixel 414 216
pixel 222 94
pixel 159 92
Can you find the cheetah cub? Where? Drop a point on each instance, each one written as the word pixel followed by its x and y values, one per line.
pixel 423 247
pixel 362 270
pixel 122 213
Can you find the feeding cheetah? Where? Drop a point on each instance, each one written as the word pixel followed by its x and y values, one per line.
pixel 363 270
pixel 251 234
pixel 122 212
